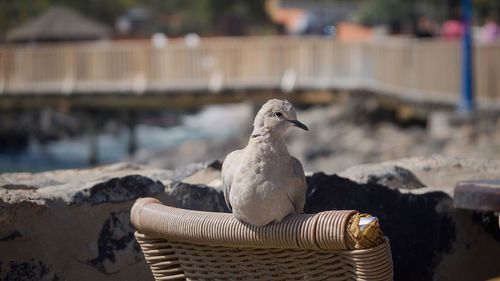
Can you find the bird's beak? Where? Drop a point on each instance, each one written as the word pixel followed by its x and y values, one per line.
pixel 297 123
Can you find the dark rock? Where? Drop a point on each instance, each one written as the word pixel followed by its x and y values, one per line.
pixel 397 178
pixel 489 222
pixel 195 197
pixel 437 170
pixel 420 227
pixel 18 187
pixel 388 175
pixel 33 270
pixel 117 234
pixel 117 190
pixel 10 236
pixel 9 212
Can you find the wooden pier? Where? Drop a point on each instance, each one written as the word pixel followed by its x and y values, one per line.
pixel 112 74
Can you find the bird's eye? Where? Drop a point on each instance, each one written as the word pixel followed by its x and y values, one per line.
pixel 278 114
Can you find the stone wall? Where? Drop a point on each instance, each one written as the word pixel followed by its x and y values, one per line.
pixel 74 224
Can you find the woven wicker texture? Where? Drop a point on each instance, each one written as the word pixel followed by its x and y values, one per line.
pixel 191 245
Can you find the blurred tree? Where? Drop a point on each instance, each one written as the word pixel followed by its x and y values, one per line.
pixel 405 12
pixel 234 17
pixel 394 13
pixel 486 9
pixel 201 16
pixel 194 15
pixel 383 11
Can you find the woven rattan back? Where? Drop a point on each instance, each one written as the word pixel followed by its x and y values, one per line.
pixel 191 245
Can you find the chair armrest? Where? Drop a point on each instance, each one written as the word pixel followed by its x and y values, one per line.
pixel 328 230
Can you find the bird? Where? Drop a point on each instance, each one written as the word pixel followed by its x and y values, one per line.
pixel 262 183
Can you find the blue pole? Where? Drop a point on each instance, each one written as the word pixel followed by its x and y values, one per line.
pixel 467 90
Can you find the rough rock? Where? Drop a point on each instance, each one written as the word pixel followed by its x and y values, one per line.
pixel 74 224
pixel 388 175
pixel 441 170
pixel 63 225
pixel 76 186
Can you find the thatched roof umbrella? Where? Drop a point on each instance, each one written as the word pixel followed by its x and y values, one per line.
pixel 58 24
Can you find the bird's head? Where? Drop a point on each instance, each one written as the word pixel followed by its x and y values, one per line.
pixel 275 117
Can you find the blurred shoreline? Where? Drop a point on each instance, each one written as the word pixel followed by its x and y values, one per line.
pixel 70 146
pixel 340 136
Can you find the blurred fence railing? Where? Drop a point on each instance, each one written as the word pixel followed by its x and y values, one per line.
pixel 427 70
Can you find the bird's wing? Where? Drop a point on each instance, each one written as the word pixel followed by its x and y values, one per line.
pixel 227 174
pixel 298 190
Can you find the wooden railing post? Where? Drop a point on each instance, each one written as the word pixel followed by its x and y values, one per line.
pixel 143 56
pixel 69 79
pixel 3 69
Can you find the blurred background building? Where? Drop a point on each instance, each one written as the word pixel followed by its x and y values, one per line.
pixel 58 24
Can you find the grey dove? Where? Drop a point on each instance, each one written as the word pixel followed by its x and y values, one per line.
pixel 262 182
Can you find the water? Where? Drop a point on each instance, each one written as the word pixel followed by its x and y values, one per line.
pixel 214 122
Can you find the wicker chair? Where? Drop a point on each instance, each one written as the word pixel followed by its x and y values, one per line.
pixel 182 244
